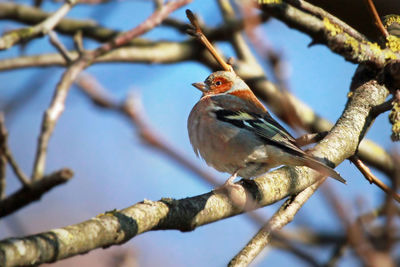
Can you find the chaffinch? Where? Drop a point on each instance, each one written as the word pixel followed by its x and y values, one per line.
pixel 234 133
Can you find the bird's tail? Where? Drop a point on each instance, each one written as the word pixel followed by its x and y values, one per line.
pixel 322 168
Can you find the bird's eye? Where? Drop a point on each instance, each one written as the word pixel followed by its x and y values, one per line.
pixel 218 83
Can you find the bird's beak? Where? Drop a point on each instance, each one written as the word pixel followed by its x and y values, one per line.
pixel 201 86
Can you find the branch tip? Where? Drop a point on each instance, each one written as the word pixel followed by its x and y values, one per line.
pixel 195 30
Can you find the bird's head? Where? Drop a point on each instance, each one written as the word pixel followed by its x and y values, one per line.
pixel 222 82
pixel 228 83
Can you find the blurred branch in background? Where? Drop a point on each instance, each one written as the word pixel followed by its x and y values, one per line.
pixel 57 105
pixel 43 28
pixel 7 153
pixel 373 179
pixel 367 253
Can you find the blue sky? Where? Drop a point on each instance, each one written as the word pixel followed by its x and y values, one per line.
pixel 113 169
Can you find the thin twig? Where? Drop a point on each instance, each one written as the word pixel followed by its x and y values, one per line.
pixel 35 191
pixel 198 33
pixel 274 59
pixel 5 150
pixel 283 216
pixel 3 158
pixel 155 19
pixel 3 165
pixel 78 42
pixel 390 208
pixel 282 242
pixel 373 179
pixel 326 32
pixel 60 47
pixel 337 254
pixel 375 16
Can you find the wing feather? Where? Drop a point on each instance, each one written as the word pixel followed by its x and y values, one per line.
pixel 263 126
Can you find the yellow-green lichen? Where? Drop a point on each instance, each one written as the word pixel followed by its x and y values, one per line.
pixel 395 132
pixel 375 49
pixel 393 43
pixel 108 213
pixel 394 118
pixel 352 43
pixel 390 55
pixel 332 28
pixel 269 2
pixel 390 19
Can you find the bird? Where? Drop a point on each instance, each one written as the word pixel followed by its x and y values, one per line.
pixel 234 133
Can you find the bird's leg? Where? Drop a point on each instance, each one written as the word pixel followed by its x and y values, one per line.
pixel 234 192
pixel 229 185
pixel 230 180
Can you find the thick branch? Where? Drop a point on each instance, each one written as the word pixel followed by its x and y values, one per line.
pixel 119 226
